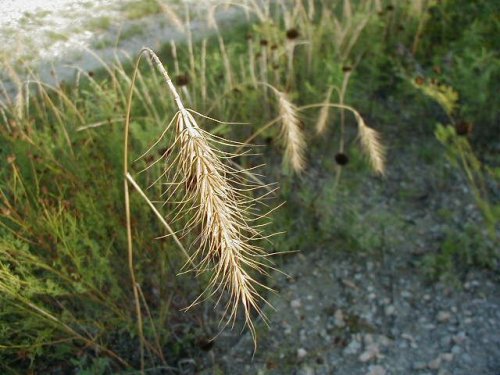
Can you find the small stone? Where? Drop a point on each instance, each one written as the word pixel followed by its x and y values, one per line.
pixel 376 370
pixel 365 356
pixel 405 294
pixel 447 357
pixel 371 352
pixel 339 318
pixel 301 353
pixel 384 340
pixel 443 316
pixel 445 341
pixel 295 304
pixel 390 310
pixel 408 337
pixel 403 345
pixel 419 366
pixel 460 337
pixel 435 364
pixel 306 370
pixel 368 339
pixel 353 347
pixel 466 358
pixel 456 349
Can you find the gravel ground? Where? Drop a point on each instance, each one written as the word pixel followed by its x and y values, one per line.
pixel 374 313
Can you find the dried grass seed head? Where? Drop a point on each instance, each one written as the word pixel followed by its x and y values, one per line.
pixel 216 202
pixel 291 135
pixel 372 146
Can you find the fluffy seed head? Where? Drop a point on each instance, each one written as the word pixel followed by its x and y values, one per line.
pixel 370 143
pixel 291 135
pixel 219 208
pixel 213 199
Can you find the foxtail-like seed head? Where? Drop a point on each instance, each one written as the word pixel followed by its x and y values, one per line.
pixel 291 135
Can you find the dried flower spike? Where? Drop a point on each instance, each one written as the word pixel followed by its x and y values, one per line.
pixel 216 203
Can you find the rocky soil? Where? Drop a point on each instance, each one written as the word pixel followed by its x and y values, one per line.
pixel 373 312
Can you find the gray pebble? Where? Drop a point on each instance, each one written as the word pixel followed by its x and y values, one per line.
pixel 353 347
pixel 443 316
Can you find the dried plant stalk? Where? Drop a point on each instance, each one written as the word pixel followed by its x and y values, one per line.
pixel 322 122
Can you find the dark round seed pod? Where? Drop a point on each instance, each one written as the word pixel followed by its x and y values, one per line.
pixel 91 73
pixel 419 80
pixel 346 69
pixel 292 34
pixel 389 8
pixel 249 36
pixel 274 47
pixel 463 128
pixel 182 80
pixel 264 42
pixel 341 158
pixel 204 343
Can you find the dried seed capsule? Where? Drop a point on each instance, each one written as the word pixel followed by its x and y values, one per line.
pixel 292 34
pixel 341 158
pixel 463 128
pixel 182 80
